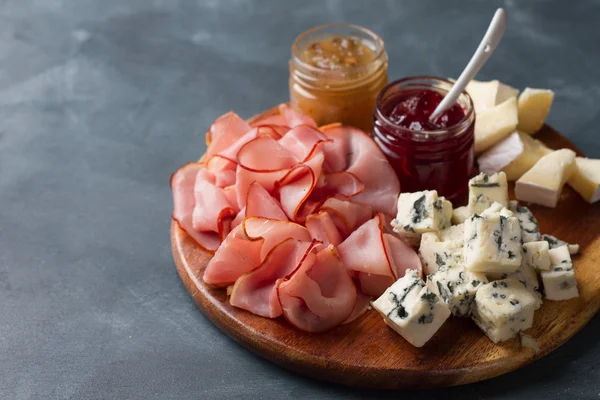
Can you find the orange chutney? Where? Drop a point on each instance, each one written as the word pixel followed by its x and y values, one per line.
pixel 336 73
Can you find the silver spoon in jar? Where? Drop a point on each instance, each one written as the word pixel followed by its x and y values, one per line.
pixel 484 51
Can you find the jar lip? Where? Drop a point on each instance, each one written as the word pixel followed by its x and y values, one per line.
pixel 462 124
pixel 376 40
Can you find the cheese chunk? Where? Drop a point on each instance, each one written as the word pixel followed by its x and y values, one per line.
pixel 497 208
pixel 503 308
pixel 586 179
pixel 441 250
pixel 527 275
pixel 492 243
pixel 486 95
pixel 530 231
pixel 456 286
pixel 534 106
pixel 535 254
pixel 485 189
pixel 494 124
pixel 533 150
pixel 560 282
pixel 529 342
pixel 421 212
pixel 555 242
pixel 459 215
pixel 411 309
pixel 501 154
pixel 543 183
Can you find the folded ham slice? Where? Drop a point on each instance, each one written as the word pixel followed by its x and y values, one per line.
pixel 346 215
pixel 260 204
pixel 256 291
pixel 321 228
pixel 182 185
pixel 320 294
pixel 301 141
pixel 225 131
pixel 362 304
pixel 273 232
pixel 212 206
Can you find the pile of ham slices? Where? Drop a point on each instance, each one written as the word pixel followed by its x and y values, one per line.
pixel 297 217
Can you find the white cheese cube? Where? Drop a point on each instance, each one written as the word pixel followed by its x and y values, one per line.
pixel 527 275
pixel 456 286
pixel 532 152
pixel 421 212
pixel 436 253
pixel 503 308
pixel 454 235
pixel 530 231
pixel 411 309
pixel 534 106
pixel 459 215
pixel 492 243
pixel 494 124
pixel 555 242
pixel 560 282
pixel 486 95
pixel 497 208
pixel 536 255
pixel 543 183
pixel 485 189
pixel 586 179
pixel 501 154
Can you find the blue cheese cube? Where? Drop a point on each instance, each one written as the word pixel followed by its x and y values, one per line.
pixel 527 275
pixel 555 242
pixel 411 309
pixel 485 189
pixel 536 255
pixel 460 214
pixel 530 231
pixel 456 286
pixel 422 212
pixel 497 208
pixel 492 243
pixel 503 308
pixel 443 249
pixel 560 282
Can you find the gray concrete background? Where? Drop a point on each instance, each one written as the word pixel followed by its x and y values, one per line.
pixel 100 101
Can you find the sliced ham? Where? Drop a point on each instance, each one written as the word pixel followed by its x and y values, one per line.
pixel 265 154
pixel 225 131
pixel 341 183
pixel 321 228
pixel 346 215
pixel 273 232
pixel 261 204
pixel 256 291
pixel 223 171
pixel 182 185
pixel 301 141
pixel 295 118
pixel 320 294
pixel 212 206
pixel 364 159
pixel 236 256
pixel 294 188
pixel 363 302
pixel 245 177
pixel 401 255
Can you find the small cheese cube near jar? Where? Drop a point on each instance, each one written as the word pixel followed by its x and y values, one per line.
pixel 485 189
pixel 501 154
pixel 459 215
pixel 411 309
pixel 586 179
pixel 422 212
pixel 456 286
pixel 443 250
pixel 560 282
pixel 536 254
pixel 534 106
pixel 495 124
pixel 503 308
pixel 530 231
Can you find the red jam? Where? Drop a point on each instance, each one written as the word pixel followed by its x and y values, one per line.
pixel 426 155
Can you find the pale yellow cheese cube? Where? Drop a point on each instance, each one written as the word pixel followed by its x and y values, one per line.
pixel 534 106
pixel 486 95
pixel 586 179
pixel 494 124
pixel 533 150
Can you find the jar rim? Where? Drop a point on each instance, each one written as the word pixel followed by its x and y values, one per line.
pixel 377 41
pixel 459 126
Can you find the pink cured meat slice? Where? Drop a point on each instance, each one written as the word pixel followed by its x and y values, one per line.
pixel 211 206
pixel 273 232
pixel 256 291
pixel 320 294
pixel 236 256
pixel 295 118
pixel 401 255
pixel 321 228
pixel 364 159
pixel 182 185
pixel 301 141
pixel 244 178
pixel 341 183
pixel 239 218
pixel 261 204
pixel 225 131
pixel 265 154
pixel 363 302
pixel 273 131
pixel 346 215
pixel 223 171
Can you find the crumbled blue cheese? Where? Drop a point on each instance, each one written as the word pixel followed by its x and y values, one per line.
pixel 527 275
pixel 485 189
pixel 492 243
pixel 457 287
pixel 560 282
pixel 530 231
pixel 503 308
pixel 536 255
pixel 439 250
pixel 411 309
pixel 555 242
pixel 497 208
pixel 460 214
pixel 422 212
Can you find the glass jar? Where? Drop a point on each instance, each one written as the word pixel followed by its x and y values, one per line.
pixel 346 94
pixel 439 160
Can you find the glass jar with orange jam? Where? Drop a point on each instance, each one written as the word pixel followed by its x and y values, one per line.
pixel 336 73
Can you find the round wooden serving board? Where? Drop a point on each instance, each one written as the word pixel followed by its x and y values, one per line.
pixel 367 353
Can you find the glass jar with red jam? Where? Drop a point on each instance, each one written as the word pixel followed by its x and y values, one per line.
pixel 426 155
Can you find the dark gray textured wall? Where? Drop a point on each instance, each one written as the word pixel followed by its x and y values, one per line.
pixel 100 101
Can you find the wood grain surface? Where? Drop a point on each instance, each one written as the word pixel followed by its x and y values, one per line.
pixel 367 353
